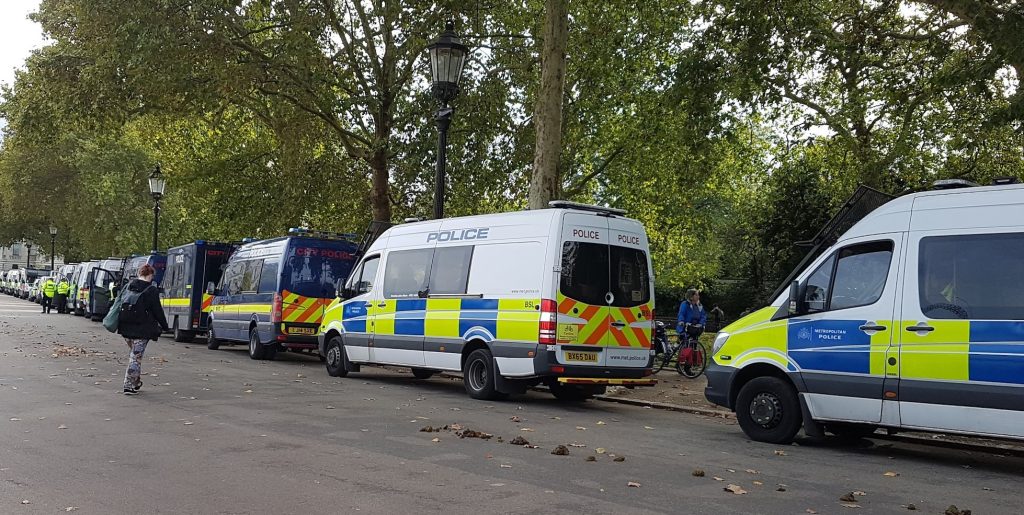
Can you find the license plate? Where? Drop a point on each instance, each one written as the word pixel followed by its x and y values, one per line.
pixel 301 330
pixel 588 357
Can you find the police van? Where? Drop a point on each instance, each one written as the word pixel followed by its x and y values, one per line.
pixel 82 287
pixel 273 292
pixel 189 268
pixel 106 277
pixel 560 296
pixel 133 264
pixel 912 319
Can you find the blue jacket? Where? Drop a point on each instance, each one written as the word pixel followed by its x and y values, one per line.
pixel 690 314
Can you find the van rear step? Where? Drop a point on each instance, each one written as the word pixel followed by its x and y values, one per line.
pixel 607 381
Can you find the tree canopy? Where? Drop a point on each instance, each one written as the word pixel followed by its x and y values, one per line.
pixel 730 128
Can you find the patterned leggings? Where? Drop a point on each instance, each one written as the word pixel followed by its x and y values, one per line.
pixel 132 377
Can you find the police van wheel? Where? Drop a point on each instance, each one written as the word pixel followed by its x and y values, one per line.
pixel 256 349
pixel 183 336
pixel 768 410
pixel 478 375
pixel 212 342
pixel 422 373
pixel 335 359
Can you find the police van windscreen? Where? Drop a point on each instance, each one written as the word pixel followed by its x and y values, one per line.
pixel 214 267
pixel 315 271
pixel 590 271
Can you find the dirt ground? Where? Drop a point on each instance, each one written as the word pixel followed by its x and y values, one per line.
pixel 672 388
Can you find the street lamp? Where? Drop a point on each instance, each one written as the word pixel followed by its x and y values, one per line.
pixel 28 256
pixel 447 57
pixel 157 183
pixel 53 246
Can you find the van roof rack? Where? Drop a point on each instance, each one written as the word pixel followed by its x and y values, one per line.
pixel 411 219
pixel 303 231
pixel 1004 181
pixel 952 184
pixel 565 204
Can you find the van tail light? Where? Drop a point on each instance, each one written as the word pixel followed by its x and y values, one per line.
pixel 548 324
pixel 277 310
pixel 654 326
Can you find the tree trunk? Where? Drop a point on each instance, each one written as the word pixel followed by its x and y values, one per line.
pixel 380 202
pixel 548 112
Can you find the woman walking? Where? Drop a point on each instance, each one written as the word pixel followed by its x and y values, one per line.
pixel 141 320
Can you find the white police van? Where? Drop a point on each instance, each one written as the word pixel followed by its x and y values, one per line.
pixel 561 296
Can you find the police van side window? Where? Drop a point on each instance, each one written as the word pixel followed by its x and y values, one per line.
pixel 406 273
pixel 977 277
pixel 449 274
pixel 268 277
pixel 364 283
pixel 251 275
pixel 233 278
pixel 854 276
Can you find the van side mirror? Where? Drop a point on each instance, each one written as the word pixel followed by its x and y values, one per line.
pixel 796 301
pixel 211 289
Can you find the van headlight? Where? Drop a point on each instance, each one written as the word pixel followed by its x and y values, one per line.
pixel 719 342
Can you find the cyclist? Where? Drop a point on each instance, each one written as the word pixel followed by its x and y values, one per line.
pixel 692 316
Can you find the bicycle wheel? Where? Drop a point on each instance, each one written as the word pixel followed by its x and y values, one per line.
pixel 661 361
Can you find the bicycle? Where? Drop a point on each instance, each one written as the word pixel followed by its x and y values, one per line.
pixel 690 357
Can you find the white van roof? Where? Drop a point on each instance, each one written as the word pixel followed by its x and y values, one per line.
pixel 982 206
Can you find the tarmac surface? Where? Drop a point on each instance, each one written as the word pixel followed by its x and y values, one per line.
pixel 215 432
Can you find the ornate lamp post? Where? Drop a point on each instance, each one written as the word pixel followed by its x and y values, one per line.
pixel 447 57
pixel 157 183
pixel 53 246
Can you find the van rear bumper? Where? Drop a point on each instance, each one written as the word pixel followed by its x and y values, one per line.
pixel 546 364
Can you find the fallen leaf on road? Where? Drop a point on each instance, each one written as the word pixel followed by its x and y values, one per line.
pixel 248 391
pixel 26 501
pixel 848 497
pixel 430 429
pixel 15 419
pixel 577 445
pixel 752 471
pixel 850 505
pixel 600 450
pixel 716 478
pixel 330 407
pixel 648 427
pixel 953 510
pixel 891 474
pixel 71 508
pixel 556 418
pixel 435 440
pixel 620 459
pixel 859 493
pixel 808 510
pixel 581 428
pixel 527 429
pixel 189 423
pixel 561 450
pixel 590 458
pixel 600 423
pixel 514 418
pixel 504 466
pixel 633 484
pixel 735 489
pixel 62 426
pixel 780 453
pixel 911 507
pixel 698 473
pixel 758 483
pixel 780 489
pixel 519 441
pixel 469 433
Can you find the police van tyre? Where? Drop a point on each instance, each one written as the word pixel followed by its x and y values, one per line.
pixel 257 350
pixel 337 362
pixel 478 376
pixel 182 336
pixel 212 342
pixel 768 410
pixel 422 373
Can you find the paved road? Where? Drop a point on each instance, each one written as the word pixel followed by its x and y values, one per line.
pixel 215 432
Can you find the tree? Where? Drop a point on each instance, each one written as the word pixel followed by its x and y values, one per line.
pixel 544 183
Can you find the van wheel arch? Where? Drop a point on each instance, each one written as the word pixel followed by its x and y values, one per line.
pixel 468 349
pixel 753 371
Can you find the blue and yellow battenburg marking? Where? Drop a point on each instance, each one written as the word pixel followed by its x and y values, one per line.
pixel 955 350
pixel 486 319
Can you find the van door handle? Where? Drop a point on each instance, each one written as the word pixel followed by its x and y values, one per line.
pixel 382 305
pixel 618 324
pixel 872 327
pixel 921 327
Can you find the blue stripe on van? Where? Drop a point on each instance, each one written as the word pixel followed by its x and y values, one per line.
pixel 830 345
pixel 354 326
pixel 489 304
pixel 466 324
pixel 997 332
pixel 411 305
pixel 409 326
pixel 996 363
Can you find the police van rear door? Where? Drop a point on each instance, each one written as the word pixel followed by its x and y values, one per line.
pixel 583 290
pixel 632 301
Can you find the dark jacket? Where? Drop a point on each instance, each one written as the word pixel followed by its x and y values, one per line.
pixel 155 322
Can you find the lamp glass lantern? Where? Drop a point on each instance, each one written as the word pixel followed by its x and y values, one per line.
pixel 447 58
pixel 53 230
pixel 157 183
